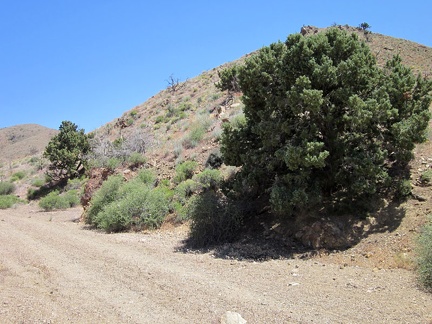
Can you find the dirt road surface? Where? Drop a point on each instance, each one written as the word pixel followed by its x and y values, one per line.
pixel 53 270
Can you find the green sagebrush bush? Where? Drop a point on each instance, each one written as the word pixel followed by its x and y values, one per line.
pixel 54 200
pixel 106 194
pixel 209 178
pixel 136 160
pixel 120 205
pixel 6 188
pixel 8 201
pixel 185 171
pixel 38 182
pixel 215 219
pixel 17 176
pixel 424 252
pixel 185 189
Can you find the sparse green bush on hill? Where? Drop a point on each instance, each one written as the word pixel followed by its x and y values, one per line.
pixel 185 190
pixel 38 182
pixel 106 194
pixel 6 188
pixel 185 171
pixel 196 133
pixel 424 251
pixel 209 179
pixel 120 205
pixel 215 219
pixel 426 177
pixel 53 201
pixel 18 176
pixel 324 125
pixel 136 160
pixel 8 201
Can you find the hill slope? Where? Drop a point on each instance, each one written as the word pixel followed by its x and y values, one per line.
pixel 172 117
pixel 23 140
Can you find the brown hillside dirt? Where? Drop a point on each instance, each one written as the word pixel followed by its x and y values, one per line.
pixel 54 270
pixel 20 141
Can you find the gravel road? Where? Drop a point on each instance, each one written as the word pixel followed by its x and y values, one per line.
pixel 53 270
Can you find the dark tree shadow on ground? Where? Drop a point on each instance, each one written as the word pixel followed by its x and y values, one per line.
pixel 264 237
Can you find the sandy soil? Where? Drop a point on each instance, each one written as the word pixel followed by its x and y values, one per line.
pixel 53 270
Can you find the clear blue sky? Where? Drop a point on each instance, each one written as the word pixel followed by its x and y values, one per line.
pixel 90 61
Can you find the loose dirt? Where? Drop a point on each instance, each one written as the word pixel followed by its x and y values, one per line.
pixel 54 270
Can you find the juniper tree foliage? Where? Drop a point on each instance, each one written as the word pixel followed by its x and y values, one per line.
pixel 324 125
pixel 66 152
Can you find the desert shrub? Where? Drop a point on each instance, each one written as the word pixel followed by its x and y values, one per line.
pixel 107 193
pixel 215 96
pixel 136 206
pixel 424 252
pixel 185 189
pixel 113 163
pixel 72 197
pixel 17 176
pixel 196 133
pixel 426 177
pixel 156 207
pixel 136 160
pixel 186 105
pixel 53 201
pixel 121 149
pixel 119 205
pixel 38 182
pixel 134 114
pixel 118 215
pixel 6 188
pixel 160 119
pixel 178 148
pixel 74 184
pixel 8 201
pixel 147 176
pixel 215 219
pixel 209 178
pixel 32 193
pixel 185 171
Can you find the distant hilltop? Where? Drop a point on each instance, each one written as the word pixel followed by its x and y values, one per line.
pixel 23 140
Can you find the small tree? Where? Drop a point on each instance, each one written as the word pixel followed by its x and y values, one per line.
pixel 364 26
pixel 324 125
pixel 66 152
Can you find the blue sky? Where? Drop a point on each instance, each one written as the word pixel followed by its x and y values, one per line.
pixel 90 61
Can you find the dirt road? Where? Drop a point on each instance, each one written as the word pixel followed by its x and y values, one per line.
pixel 53 270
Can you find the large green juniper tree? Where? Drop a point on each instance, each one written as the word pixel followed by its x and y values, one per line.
pixel 324 125
pixel 66 152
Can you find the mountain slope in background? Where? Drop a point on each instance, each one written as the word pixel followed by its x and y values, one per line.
pixel 23 140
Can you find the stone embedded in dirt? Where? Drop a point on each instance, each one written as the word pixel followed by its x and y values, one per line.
pixel 232 318
pixel 323 234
